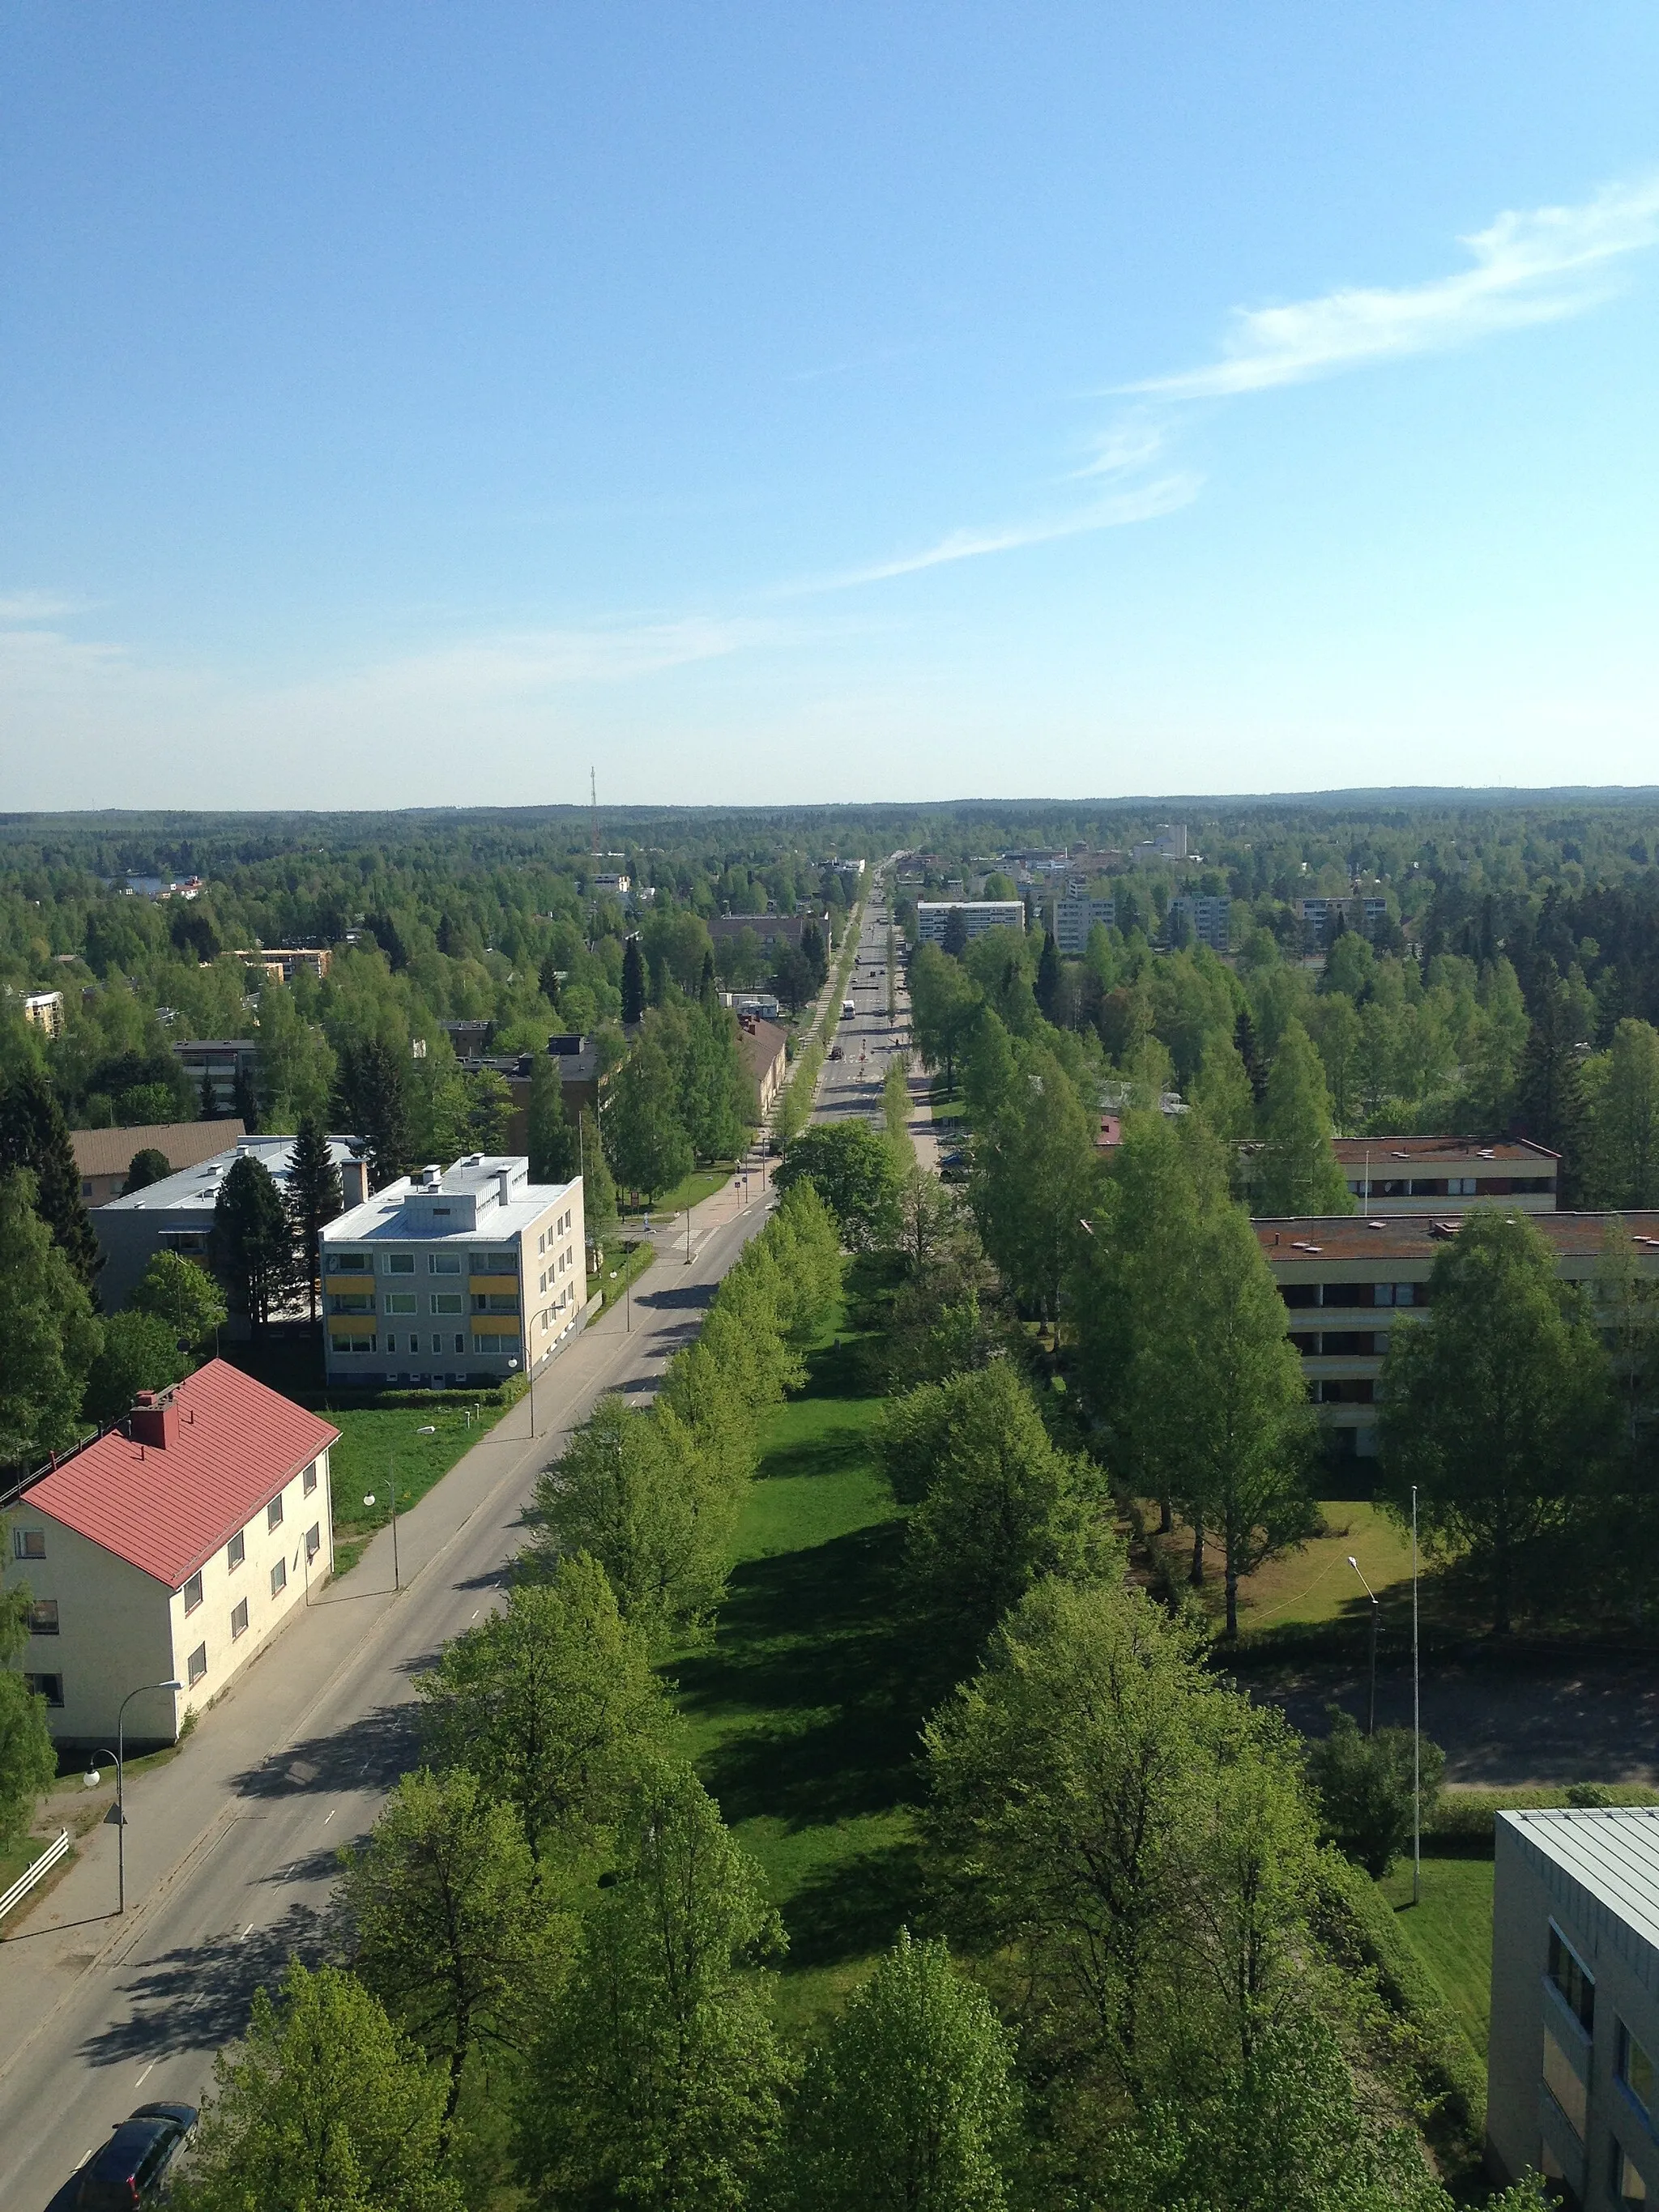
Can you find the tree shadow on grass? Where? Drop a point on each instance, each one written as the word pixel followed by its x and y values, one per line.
pixel 848 1910
pixel 832 1451
pixel 848 1368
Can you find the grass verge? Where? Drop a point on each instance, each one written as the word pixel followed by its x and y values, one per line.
pixel 805 1709
pixel 700 1183
pixel 611 1284
pixel 1449 1933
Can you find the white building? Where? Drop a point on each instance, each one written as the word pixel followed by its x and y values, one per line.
pixel 1072 917
pixel 171 1552
pixel 981 916
pixel 1209 919
pixel 437 1280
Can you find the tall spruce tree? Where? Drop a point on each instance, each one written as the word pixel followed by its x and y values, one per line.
pixel 314 1199
pixel 371 1101
pixel 252 1244
pixel 1048 978
pixel 34 1136
pixel 49 1336
pixel 1549 1101
pixel 552 1137
pixel 633 984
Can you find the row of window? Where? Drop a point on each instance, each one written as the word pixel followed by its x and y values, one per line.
pixel 408 1302
pixel 504 1346
pixel 1632 2068
pixel 561 1227
pixel 31 1543
pixel 407 1263
pixel 1354 1294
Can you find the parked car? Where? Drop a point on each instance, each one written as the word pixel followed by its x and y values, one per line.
pixel 835 1053
pixel 132 2166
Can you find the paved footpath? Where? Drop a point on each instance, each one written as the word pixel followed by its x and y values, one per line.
pixel 230 1847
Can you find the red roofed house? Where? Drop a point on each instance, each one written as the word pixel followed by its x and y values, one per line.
pixel 171 1552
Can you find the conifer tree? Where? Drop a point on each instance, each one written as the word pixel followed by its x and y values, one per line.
pixel 1549 1100
pixel 633 984
pixel 49 1336
pixel 252 1243
pixel 314 1199
pixel 371 1101
pixel 1048 978
pixel 552 1136
pixel 34 1136
pixel 1298 1172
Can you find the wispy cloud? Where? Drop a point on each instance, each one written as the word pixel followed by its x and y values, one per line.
pixel 35 606
pixel 1531 266
pixel 1143 504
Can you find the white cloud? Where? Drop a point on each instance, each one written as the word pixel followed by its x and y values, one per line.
pixel 35 606
pixel 1144 504
pixel 1533 265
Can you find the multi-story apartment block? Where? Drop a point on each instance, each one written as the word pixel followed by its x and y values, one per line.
pixel 1210 919
pixel 1572 2063
pixel 1318 916
pixel 44 1010
pixel 1072 917
pixel 214 1065
pixel 282 962
pixel 1347 1279
pixel 453 1278
pixel 981 916
pixel 1447 1175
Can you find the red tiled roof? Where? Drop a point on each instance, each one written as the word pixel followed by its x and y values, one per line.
pixel 1324 1237
pixel 167 1510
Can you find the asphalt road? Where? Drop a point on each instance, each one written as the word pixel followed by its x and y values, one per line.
pixel 851 1086
pixel 231 1846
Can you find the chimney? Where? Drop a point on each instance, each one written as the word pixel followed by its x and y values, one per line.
pixel 354 1182
pixel 503 1177
pixel 155 1420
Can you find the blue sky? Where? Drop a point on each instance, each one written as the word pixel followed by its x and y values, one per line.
pixel 414 404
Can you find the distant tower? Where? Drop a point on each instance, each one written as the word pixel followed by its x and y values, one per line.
pixel 593 796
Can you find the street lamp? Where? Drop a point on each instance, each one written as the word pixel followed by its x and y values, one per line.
pixel 530 1370
pixel 391 1491
pixel 1370 1715
pixel 90 1780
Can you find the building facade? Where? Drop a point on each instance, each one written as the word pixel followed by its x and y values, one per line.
pixel 1210 919
pixel 1572 2061
pixel 170 1550
pixel 176 1214
pixel 216 1065
pixel 1347 1278
pixel 282 961
pixel 45 1011
pixel 1319 916
pixel 1070 919
pixel 453 1278
pixel 980 916
pixel 764 1046
pixel 1447 1175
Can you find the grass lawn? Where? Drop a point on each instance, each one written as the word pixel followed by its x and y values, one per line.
pixel 1316 1583
pixel 613 1282
pixel 700 1183
pixel 806 1709
pixel 379 1443
pixel 1450 1931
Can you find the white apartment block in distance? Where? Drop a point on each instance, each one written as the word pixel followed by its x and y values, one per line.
pixel 453 1279
pixel 980 916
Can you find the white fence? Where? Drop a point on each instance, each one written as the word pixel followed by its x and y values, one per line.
pixel 25 1883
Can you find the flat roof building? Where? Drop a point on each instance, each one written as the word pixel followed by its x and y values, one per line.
pixel 169 1549
pixel 1410 1175
pixel 453 1278
pixel 1208 918
pixel 1071 917
pixel 1573 2060
pixel 981 917
pixel 214 1065
pixel 1346 1277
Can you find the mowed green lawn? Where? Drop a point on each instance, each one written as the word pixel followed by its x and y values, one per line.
pixel 1450 1931
pixel 806 1710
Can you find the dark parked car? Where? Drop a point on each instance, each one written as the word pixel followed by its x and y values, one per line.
pixel 131 2166
pixel 835 1053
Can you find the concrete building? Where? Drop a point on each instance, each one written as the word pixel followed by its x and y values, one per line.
pixel 1318 916
pixel 580 1082
pixel 1448 1175
pixel 772 929
pixel 453 1278
pixel 176 1214
pixel 44 1010
pixel 1210 920
pixel 281 962
pixel 1170 844
pixel 981 916
pixel 764 1046
pixel 1572 2087
pixel 103 1156
pixel 1347 1278
pixel 218 1063
pixel 1071 918
pixel 172 1551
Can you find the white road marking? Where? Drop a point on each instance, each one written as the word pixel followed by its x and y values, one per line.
pixel 332 1810
pixel 145 2075
pixel 475 1616
pixel 246 1933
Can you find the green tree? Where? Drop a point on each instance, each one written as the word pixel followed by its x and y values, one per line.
pixel 633 984
pixel 909 2103
pixel 1366 1789
pixel 322 2106
pixel 598 1189
pixel 647 1142
pixel 552 1136
pixel 1222 1092
pixel 632 1490
pixel 140 1352
pixel 252 1243
pixel 855 1175
pixel 314 1199
pixel 29 1760
pixel 49 1337
pixel 549 1703
pixel 146 1167
pixel 944 1002
pixel 371 1102
pixel 35 1137
pixel 1033 1173
pixel 1047 985
pixel 488 1111
pixel 1549 1099
pixel 452 1933
pixel 295 1063
pixel 182 1295
pixel 715 1101
pixel 1491 1404
pixel 1298 1172
pixel 1623 1144
pixel 657 2081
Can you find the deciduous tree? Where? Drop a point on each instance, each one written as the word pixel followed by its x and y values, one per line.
pixel 1297 1171
pixel 855 1174
pixel 49 1336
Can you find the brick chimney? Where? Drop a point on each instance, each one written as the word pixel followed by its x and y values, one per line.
pixel 155 1419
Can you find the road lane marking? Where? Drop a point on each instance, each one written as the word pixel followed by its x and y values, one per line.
pixel 145 2075
pixel 246 1933
pixel 333 1809
pixel 475 1616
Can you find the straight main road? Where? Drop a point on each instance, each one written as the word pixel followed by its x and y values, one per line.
pixel 868 1039
pixel 231 1846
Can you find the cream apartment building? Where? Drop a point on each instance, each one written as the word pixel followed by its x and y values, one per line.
pixel 453 1278
pixel 172 1548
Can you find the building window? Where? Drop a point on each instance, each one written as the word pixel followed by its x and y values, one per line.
pixel 400 1263
pixel 239 1620
pixel 339 1343
pixel 448 1302
pixel 1628 2183
pixel 49 1686
pixel 1562 2079
pixel 349 1263
pixel 193 1592
pixel 309 1480
pixel 197 1665
pixel 279 1578
pixel 402 1302
pixel 236 1550
pixel 28 1543
pixel 444 1263
pixel 43 1617
pixel 495 1347
pixel 1635 2069
pixel 1574 1980
pixel 460 1342
pixel 313 1540
pixel 273 1512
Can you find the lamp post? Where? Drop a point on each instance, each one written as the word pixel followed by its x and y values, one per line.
pixel 1371 1711
pixel 391 1491
pixel 91 1779
pixel 1417 1730
pixel 530 1374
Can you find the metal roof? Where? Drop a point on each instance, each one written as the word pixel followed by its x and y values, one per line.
pixel 167 1509
pixel 195 1189
pixel 1611 1851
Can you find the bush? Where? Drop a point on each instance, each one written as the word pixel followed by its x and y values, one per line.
pixel 1364 1787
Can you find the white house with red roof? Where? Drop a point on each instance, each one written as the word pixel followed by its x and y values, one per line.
pixel 171 1548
